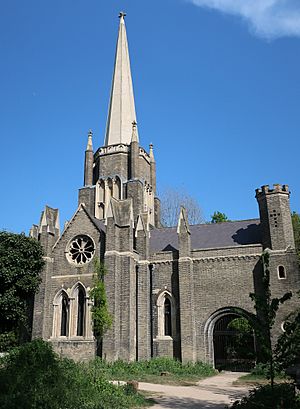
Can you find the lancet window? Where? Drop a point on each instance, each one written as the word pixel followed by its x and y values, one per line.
pixel 166 315
pixel 64 315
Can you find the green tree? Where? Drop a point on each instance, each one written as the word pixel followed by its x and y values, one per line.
pixel 102 319
pixel 219 217
pixel 287 350
pixel 266 308
pixel 242 341
pixel 296 228
pixel 21 261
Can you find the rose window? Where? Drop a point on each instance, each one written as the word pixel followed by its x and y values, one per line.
pixel 81 250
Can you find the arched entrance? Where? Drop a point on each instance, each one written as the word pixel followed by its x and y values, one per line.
pixel 231 340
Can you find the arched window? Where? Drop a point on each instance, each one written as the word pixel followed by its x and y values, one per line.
pixel 168 317
pixel 80 312
pixel 281 272
pixel 117 188
pixel 64 315
pixel 110 187
pixel 101 191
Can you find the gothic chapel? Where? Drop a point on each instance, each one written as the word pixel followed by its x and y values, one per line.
pixel 171 291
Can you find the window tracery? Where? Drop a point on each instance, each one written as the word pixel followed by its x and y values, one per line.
pixel 81 250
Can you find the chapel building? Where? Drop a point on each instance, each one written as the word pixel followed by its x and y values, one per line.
pixel 171 291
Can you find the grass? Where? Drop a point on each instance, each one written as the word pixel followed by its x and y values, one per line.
pixel 174 372
pixel 259 377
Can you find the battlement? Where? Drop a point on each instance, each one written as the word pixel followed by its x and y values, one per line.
pixel 277 188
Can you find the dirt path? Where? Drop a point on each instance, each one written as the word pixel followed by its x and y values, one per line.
pixel 211 393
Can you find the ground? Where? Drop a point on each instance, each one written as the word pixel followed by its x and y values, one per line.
pixel 210 393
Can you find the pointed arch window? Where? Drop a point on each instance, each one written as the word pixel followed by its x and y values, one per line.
pixel 168 317
pixel 64 315
pixel 80 312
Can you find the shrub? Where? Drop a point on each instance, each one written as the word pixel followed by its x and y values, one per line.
pixel 281 396
pixel 34 377
pixel 263 371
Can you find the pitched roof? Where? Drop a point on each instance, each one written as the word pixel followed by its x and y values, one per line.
pixel 204 236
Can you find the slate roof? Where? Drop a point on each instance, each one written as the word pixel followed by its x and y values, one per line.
pixel 99 224
pixel 204 236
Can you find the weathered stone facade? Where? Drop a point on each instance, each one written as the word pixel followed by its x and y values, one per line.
pixel 166 287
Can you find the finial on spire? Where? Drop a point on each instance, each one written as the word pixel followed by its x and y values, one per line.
pixel 134 137
pixel 122 14
pixel 90 141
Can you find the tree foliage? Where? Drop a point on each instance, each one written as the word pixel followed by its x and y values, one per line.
pixel 21 261
pixel 171 201
pixel 281 396
pixel 241 344
pixel 102 319
pixel 287 350
pixel 266 308
pixel 219 217
pixel 296 229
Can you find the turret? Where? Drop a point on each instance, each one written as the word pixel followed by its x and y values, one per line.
pixel 275 217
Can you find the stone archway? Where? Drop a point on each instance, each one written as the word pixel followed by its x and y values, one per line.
pixel 230 340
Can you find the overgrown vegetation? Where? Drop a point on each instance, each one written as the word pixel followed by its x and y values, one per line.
pixel 267 308
pixel 279 396
pixel 34 377
pixel 21 261
pixel 259 375
pixel 102 319
pixel 287 349
pixel 159 370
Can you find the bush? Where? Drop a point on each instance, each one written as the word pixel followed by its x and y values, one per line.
pixel 34 377
pixel 281 396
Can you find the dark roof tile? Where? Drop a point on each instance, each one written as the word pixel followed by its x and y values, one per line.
pixel 204 236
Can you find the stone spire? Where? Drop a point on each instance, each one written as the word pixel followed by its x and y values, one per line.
pixel 121 112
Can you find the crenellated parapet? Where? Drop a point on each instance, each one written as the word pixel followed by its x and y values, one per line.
pixel 277 188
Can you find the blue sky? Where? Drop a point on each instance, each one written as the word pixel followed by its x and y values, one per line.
pixel 216 86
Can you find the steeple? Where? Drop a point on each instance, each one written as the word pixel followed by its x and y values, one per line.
pixel 121 112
